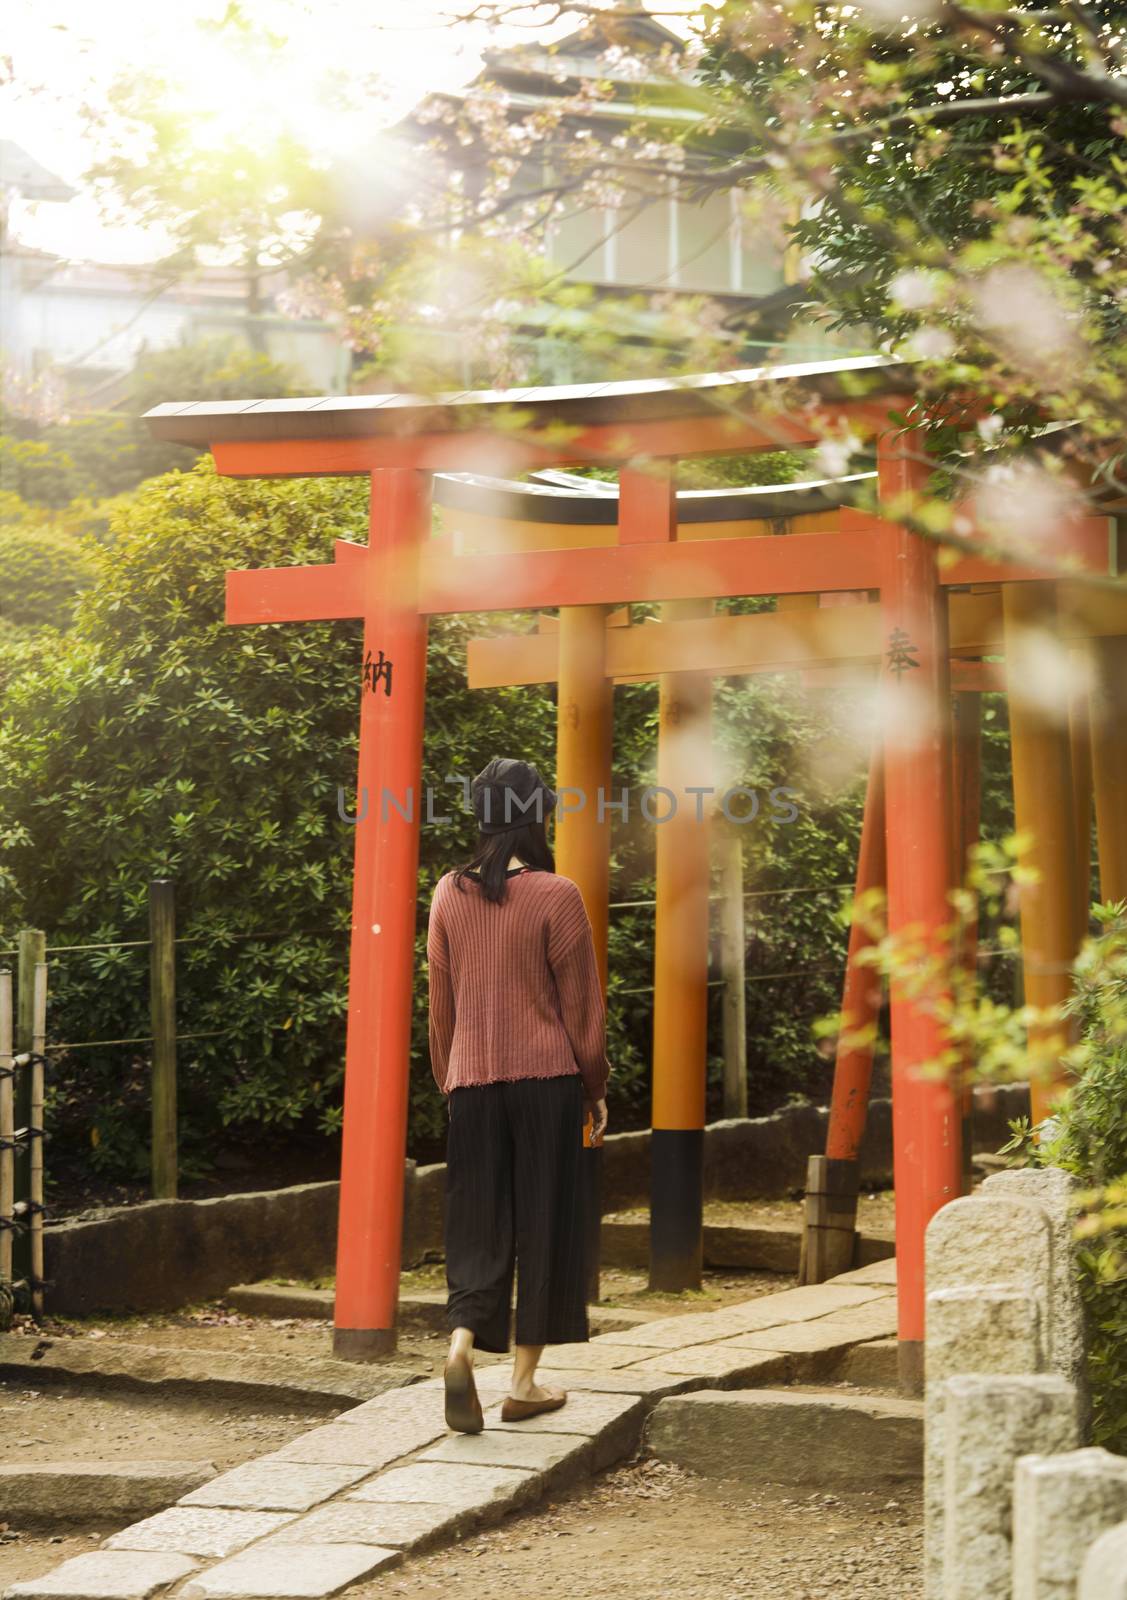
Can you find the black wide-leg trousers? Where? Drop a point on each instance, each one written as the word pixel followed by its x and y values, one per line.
pixel 514 1196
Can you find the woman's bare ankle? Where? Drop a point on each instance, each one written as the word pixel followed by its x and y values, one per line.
pixel 461 1345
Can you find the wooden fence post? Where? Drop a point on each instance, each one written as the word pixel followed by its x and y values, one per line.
pixel 36 1074
pixel 32 945
pixel 7 1147
pixel 729 857
pixel 162 1002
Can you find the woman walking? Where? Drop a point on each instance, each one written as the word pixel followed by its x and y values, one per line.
pixel 518 1046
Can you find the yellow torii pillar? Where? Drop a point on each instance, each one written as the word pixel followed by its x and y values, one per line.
pixel 1040 746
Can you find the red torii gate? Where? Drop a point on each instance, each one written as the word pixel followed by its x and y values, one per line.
pixel 405 574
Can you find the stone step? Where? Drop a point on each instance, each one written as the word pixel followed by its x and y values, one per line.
pixel 779 1436
pixel 282 1380
pixel 872 1366
pixel 419 1308
pixel 732 1246
pixel 48 1492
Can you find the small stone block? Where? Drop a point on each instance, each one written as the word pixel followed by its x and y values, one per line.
pixel 1104 1573
pixel 403 1526
pixel 268 1485
pixel 540 1452
pixel 198 1531
pixel 1062 1505
pixel 300 1572
pixel 455 1486
pixel 105 1575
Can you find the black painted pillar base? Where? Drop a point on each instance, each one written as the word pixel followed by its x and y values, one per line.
pixel 910 1365
pixel 593 1217
pixel 363 1344
pixel 676 1207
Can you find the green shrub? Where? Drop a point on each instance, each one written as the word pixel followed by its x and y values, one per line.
pixel 42 573
pixel 1088 1137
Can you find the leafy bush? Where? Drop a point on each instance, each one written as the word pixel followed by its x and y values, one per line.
pixel 42 573
pixel 1087 1136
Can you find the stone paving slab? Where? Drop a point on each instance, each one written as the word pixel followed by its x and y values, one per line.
pixel 306 1572
pixel 882 1273
pixel 197 1531
pixel 649 1381
pixel 598 1355
pixel 408 1525
pixel 457 1487
pixel 412 1404
pixel 267 1485
pixel 105 1575
pixel 733 1362
pixel 804 1304
pixel 797 1338
pixel 673 1333
pixel 543 1453
pixel 349 1444
pixel 585 1413
pixel 878 1320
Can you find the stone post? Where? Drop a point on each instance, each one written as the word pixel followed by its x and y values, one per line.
pixel 990 1331
pixel 988 1422
pixel 1062 1504
pixel 1054 1192
pixel 988 1266
pixel 1104 1573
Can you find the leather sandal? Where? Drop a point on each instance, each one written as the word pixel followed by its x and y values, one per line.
pixel 463 1408
pixel 516 1410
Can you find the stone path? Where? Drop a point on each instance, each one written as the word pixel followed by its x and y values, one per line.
pixel 386 1479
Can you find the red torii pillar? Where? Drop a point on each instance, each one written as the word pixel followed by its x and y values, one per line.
pixel 926 1111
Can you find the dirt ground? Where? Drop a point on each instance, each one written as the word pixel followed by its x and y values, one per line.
pixel 649 1529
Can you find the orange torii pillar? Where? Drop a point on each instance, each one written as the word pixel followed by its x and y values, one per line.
pixel 1040 745
pixel 584 727
pixel 1109 764
pixel 680 1021
pixel 966 767
pixel 927 1159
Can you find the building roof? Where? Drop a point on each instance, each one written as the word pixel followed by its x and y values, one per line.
pixel 204 422
pixel 29 177
pixel 564 497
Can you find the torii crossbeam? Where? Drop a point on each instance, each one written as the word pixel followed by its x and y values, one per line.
pixel 405 574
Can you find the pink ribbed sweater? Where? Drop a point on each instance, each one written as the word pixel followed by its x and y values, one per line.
pixel 514 986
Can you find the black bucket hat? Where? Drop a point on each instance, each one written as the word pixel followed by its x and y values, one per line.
pixel 508 794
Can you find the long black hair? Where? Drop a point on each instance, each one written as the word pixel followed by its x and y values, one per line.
pixel 489 863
